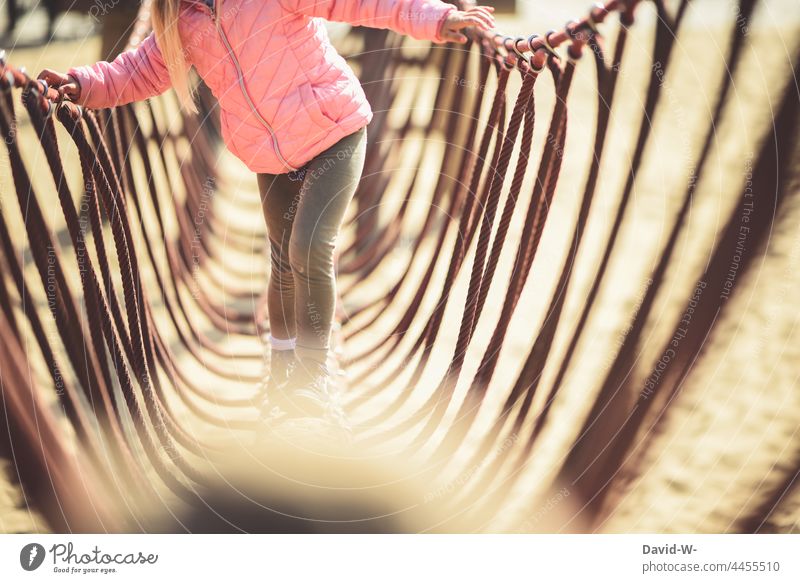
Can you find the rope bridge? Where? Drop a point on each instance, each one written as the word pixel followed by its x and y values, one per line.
pixel 141 331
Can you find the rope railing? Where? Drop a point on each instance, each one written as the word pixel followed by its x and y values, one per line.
pixel 155 376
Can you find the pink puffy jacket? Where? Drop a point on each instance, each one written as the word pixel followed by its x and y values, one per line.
pixel 284 92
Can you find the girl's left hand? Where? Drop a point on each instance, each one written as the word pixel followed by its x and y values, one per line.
pixel 478 16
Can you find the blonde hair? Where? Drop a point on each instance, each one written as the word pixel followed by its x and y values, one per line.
pixel 165 15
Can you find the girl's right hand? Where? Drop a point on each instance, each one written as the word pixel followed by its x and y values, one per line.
pixel 67 85
pixel 480 17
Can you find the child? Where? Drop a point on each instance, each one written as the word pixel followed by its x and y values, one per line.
pixel 294 112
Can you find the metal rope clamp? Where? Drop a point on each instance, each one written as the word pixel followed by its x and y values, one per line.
pixel 45 88
pixel 548 47
pixel 32 86
pixel 498 55
pixel 530 40
pixel 507 42
pixel 520 55
pixel 591 22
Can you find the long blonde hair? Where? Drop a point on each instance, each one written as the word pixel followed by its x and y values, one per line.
pixel 164 15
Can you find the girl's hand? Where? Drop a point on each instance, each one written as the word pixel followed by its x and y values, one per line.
pixel 479 16
pixel 67 85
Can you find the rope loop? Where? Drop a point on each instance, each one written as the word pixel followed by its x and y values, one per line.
pixel 626 16
pixel 39 87
pixel 495 36
pixel 60 101
pixel 50 106
pixel 509 61
pixel 50 109
pixel 591 21
pixel 499 59
pixel 575 49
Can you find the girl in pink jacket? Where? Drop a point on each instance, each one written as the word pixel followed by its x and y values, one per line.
pixel 294 112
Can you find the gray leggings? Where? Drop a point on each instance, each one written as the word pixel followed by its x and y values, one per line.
pixel 304 211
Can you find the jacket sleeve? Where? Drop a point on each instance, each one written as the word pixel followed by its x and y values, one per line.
pixel 134 75
pixel 421 19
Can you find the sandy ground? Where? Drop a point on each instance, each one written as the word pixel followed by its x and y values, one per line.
pixel 736 419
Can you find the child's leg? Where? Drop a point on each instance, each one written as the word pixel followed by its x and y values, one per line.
pixel 279 198
pixel 331 179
